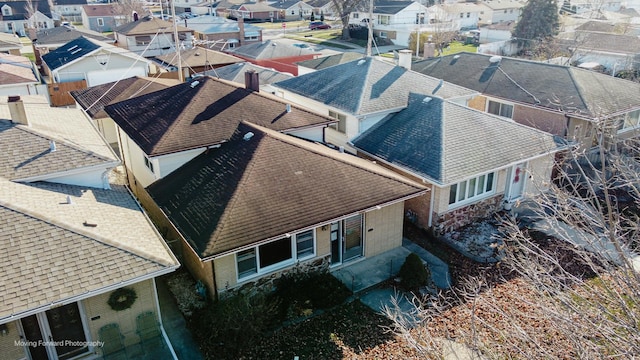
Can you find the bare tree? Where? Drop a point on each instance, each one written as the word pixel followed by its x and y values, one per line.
pixel 569 284
pixel 343 9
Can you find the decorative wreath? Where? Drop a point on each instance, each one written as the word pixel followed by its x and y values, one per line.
pixel 122 299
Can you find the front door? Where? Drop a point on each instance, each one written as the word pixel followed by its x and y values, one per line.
pixel 516 186
pixel 346 239
pixel 59 333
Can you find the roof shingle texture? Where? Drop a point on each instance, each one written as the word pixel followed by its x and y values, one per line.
pixel 199 57
pixel 94 99
pixel 446 143
pixel 64 34
pixel 327 61
pixel 235 73
pixel 69 52
pixel 272 184
pixel 270 49
pixel 389 7
pixel 48 255
pixel 148 25
pixel 201 113
pixel 367 86
pixel 578 92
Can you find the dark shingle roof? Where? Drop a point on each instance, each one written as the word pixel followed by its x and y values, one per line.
pixel 200 113
pixel 599 41
pixel 599 26
pixel 26 153
pixel 94 99
pixel 199 57
pixel 389 7
pixel 70 2
pixel 576 91
pixel 366 86
pixel 327 61
pixel 19 9
pixel 64 34
pixel 270 49
pixel 69 52
pixel 446 142
pixel 235 73
pixel 252 190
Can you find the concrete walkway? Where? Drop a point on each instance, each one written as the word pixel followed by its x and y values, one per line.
pixel 175 325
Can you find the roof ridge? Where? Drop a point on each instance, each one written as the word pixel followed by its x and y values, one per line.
pixel 43 134
pixel 72 228
pixel 341 157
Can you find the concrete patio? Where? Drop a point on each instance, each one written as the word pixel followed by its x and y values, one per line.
pixel 368 272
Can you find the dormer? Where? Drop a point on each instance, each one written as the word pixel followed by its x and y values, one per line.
pixel 6 10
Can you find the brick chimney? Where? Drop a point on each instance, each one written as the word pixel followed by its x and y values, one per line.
pixel 16 109
pixel 241 27
pixel 252 80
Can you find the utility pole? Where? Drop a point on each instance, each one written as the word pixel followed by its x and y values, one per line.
pixel 176 40
pixel 370 26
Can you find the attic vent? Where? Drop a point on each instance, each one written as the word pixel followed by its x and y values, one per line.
pixel 495 59
pixel 194 84
pixel 247 136
pixel 52 146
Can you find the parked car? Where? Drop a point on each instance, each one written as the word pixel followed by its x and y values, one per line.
pixel 319 25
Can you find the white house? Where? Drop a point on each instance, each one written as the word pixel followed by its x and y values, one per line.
pixel 499 11
pixel 93 61
pixel 394 20
pixel 465 16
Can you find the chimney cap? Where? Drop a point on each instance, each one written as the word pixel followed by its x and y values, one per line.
pixel 13 98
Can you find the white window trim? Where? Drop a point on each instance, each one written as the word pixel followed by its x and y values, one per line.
pixel 501 102
pixel 277 266
pixel 100 21
pixel 630 128
pixel 476 197
pixel 149 164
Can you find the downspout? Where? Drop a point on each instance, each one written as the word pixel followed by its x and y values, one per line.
pixel 431 203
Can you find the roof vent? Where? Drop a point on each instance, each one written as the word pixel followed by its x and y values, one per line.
pixel 248 136
pixel 273 44
pixel 52 146
pixel 195 83
pixel 426 99
pixel 288 108
pixel 456 56
pixel 361 61
pixel 341 149
pixel 495 59
pixel 69 200
pixel 438 87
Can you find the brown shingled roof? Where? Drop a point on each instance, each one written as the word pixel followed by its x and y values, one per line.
pixel 261 185
pixel 201 113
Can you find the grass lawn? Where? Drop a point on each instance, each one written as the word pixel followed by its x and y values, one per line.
pixel 457 47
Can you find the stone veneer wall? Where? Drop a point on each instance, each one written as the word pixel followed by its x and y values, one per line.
pixel 455 219
pixel 266 283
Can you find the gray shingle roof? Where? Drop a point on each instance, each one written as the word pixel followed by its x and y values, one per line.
pixel 148 25
pixel 200 113
pixel 327 61
pixel 199 57
pixel 235 73
pixel 445 143
pixel 94 99
pixel 48 255
pixel 64 34
pixel 257 189
pixel 25 153
pixel 599 41
pixel 575 91
pixel 270 49
pixel 366 86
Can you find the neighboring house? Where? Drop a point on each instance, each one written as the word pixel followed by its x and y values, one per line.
pixel 193 117
pixel 196 60
pixel 220 33
pixel 102 17
pixel 73 240
pixel 10 44
pixel 93 100
pixel 280 56
pixel 394 20
pixel 93 61
pixel 47 40
pixel 613 51
pixel 362 92
pixel 18 76
pixel 461 16
pixel 497 32
pixel 307 66
pixel 150 37
pixel 293 9
pixel 588 6
pixel 265 204
pixel 260 11
pixel 16 19
pixel 323 8
pixel 238 74
pixel 500 11
pixel 472 161
pixel 561 100
pixel 68 10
